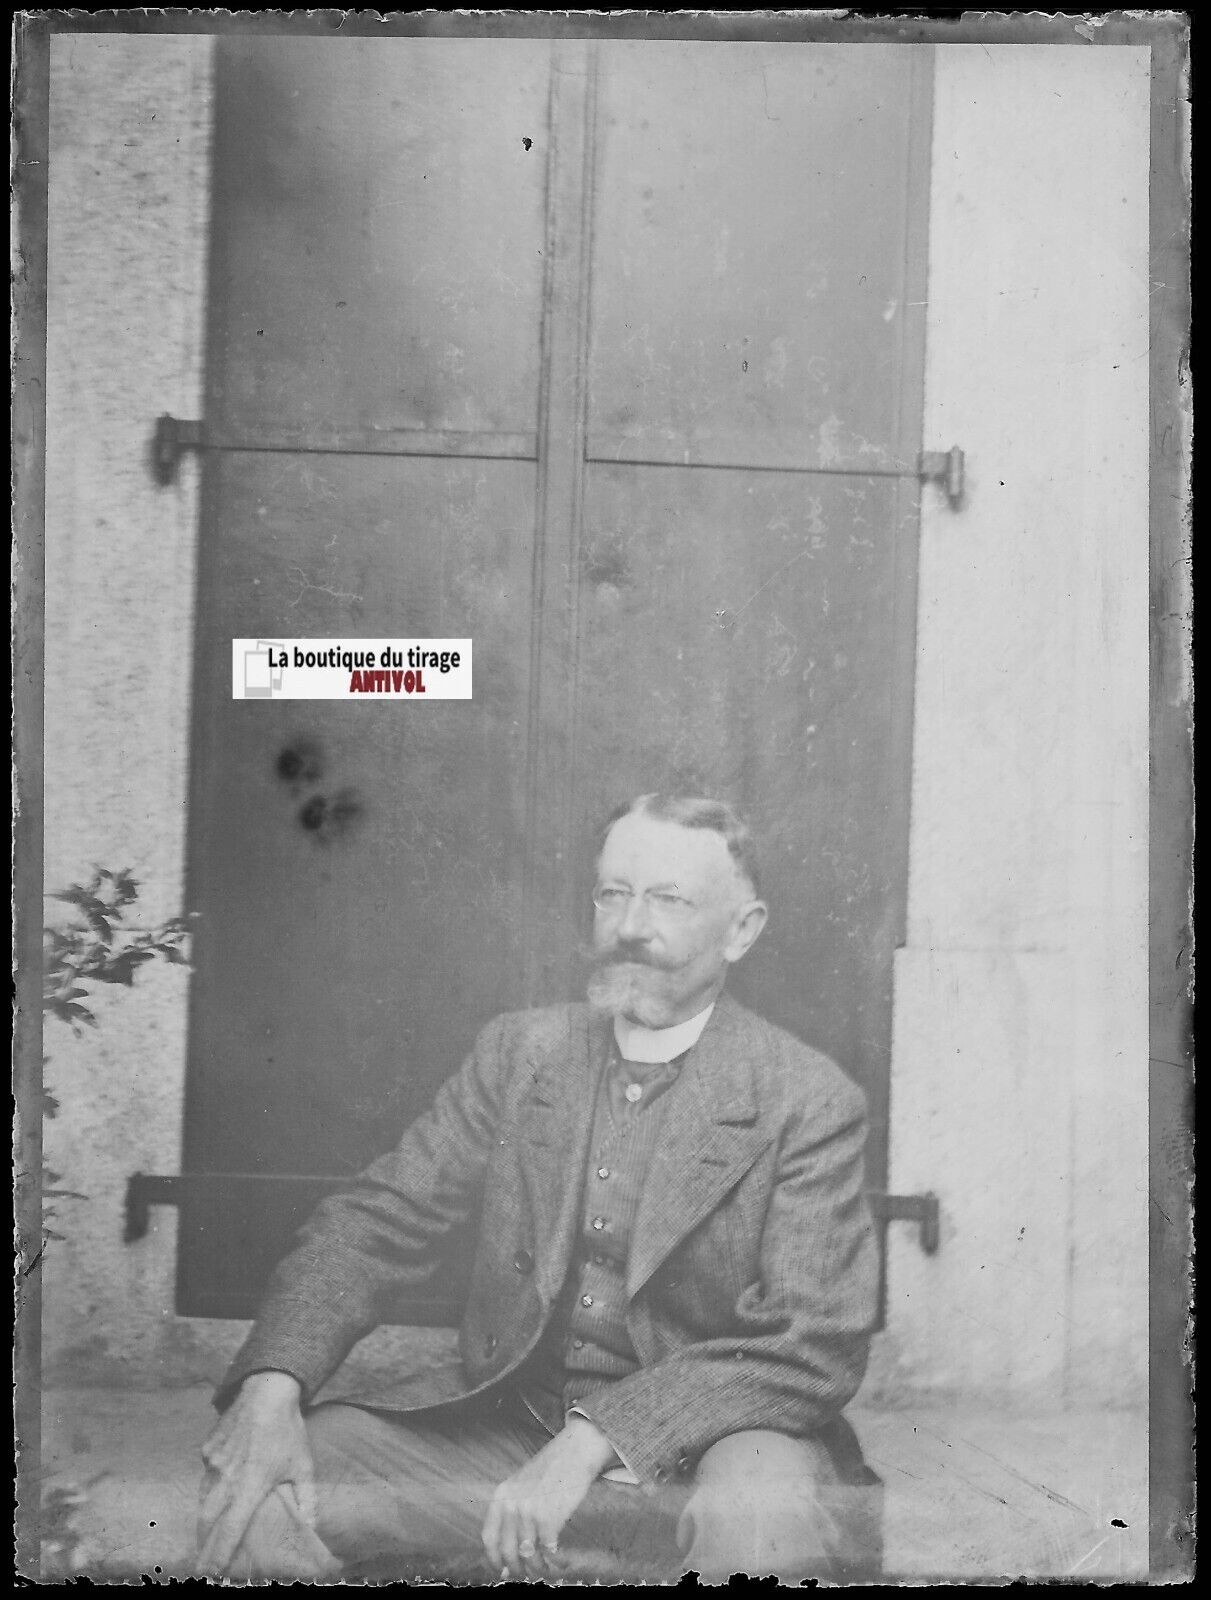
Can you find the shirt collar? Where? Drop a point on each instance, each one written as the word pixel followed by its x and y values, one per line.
pixel 637 1043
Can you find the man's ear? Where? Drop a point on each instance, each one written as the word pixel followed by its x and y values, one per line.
pixel 746 929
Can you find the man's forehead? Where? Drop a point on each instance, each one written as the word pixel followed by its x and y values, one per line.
pixel 660 848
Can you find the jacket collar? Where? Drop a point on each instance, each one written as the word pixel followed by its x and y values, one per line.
pixel 721 1066
pixel 711 1136
pixel 565 1071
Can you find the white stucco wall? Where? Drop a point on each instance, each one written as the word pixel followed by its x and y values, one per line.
pixel 127 202
pixel 1019 1079
pixel 1019 1071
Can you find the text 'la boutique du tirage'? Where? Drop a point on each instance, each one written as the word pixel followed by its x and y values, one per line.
pixel 387 671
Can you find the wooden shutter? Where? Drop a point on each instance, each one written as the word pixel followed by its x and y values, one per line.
pixel 635 405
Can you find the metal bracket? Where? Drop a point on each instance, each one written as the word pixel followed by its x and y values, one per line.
pixel 922 1209
pixel 143 1190
pixel 146 1189
pixel 169 443
pixel 944 467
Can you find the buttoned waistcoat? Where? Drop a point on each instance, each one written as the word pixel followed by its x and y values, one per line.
pixel 751 1282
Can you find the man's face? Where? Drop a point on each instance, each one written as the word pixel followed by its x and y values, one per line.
pixel 681 912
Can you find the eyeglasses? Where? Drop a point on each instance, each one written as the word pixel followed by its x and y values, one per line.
pixel 664 904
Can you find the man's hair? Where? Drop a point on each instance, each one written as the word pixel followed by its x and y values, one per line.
pixel 696 811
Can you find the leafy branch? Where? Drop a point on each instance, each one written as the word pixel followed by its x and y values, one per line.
pixel 99 949
pixel 66 1551
pixel 100 946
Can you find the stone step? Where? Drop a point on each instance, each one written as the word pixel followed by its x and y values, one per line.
pixel 971 1492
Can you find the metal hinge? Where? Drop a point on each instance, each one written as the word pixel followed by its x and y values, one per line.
pixel 944 467
pixel 169 443
pixel 922 1209
pixel 147 1189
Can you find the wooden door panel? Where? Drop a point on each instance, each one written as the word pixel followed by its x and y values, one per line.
pixel 360 898
pixel 735 640
pixel 381 228
pixel 751 232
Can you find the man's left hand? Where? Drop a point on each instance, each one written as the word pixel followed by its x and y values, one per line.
pixel 529 1510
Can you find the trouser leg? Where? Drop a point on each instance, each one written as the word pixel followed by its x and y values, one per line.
pixel 396 1498
pixel 407 1498
pixel 765 1503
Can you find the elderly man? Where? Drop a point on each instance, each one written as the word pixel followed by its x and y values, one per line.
pixel 671 1297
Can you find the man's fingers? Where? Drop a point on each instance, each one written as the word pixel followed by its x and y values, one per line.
pixel 219 1550
pixel 508 1539
pixel 491 1536
pixel 215 1495
pixel 228 1528
pixel 549 1556
pixel 304 1484
pixel 221 1544
pixel 549 1526
pixel 209 1508
pixel 218 1437
pixel 210 1549
pixel 527 1545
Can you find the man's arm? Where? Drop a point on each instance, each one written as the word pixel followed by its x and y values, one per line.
pixel 258 1444
pixel 797 1349
pixel 382 1236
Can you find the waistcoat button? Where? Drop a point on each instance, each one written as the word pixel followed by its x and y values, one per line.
pixel 603 1173
pixel 523 1261
pixel 490 1345
pixel 598 1224
pixel 586 1299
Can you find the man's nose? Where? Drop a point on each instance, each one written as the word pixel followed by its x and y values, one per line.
pixel 636 919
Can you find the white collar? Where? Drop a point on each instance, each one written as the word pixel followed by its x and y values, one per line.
pixel 638 1043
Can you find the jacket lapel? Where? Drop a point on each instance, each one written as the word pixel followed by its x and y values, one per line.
pixel 558 1127
pixel 710 1138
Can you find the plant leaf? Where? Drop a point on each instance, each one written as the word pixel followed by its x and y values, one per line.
pixel 126 887
pixel 121 968
pixel 98 920
pixel 69 1011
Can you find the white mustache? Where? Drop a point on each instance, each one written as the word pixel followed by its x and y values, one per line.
pixel 624 956
pixel 613 983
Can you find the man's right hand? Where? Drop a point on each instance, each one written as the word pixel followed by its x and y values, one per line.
pixel 259 1443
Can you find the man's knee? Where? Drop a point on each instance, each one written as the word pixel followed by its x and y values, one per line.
pixel 767 1502
pixel 758 1460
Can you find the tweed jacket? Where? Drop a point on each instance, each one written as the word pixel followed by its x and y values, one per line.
pixel 752 1276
